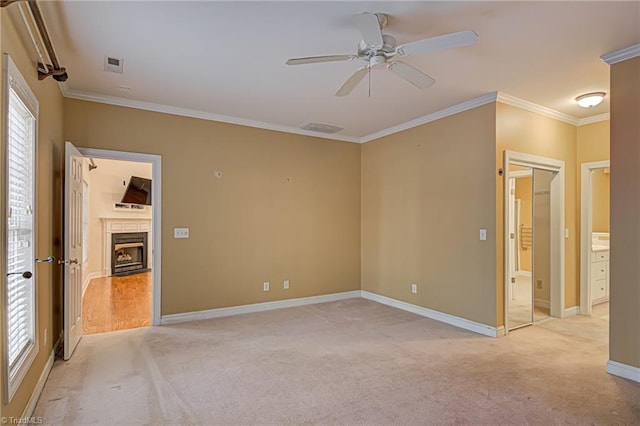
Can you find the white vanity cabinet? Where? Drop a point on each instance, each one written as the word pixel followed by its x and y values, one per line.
pixel 599 276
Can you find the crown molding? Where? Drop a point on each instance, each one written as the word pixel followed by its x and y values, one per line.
pixel 621 55
pixel 538 109
pixel 192 113
pixel 455 109
pixel 593 119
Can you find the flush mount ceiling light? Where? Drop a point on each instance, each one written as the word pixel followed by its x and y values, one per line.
pixel 589 100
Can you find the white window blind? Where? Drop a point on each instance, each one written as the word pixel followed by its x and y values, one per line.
pixel 20 291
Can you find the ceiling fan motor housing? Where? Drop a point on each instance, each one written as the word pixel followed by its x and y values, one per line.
pixel 367 53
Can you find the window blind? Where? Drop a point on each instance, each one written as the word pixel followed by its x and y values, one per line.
pixel 20 291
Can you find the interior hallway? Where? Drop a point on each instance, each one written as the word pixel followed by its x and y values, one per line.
pixel 117 303
pixel 347 362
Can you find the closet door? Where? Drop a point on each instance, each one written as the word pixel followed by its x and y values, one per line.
pixel 541 243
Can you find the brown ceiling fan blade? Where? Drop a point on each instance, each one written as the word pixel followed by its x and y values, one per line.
pixel 319 59
pixel 352 81
pixel 411 74
pixel 447 41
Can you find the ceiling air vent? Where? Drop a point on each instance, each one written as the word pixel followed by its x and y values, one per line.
pixel 113 64
pixel 322 128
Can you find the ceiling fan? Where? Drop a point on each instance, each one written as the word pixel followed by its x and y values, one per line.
pixel 377 49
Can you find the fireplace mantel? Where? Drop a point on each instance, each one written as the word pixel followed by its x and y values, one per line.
pixel 111 225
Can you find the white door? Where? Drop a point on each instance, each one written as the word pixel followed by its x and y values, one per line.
pixel 72 249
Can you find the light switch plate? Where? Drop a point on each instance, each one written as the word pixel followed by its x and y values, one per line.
pixel 180 232
pixel 483 235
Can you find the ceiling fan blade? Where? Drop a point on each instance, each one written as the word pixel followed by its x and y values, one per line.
pixel 369 27
pixel 447 41
pixel 352 81
pixel 317 59
pixel 411 74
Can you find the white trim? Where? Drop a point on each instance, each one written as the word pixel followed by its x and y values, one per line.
pixel 186 112
pixel 524 273
pixel 521 173
pixel 572 311
pixel 455 109
pixel 622 54
pixel 538 109
pixel 623 370
pixel 593 119
pixel 466 324
pixel 37 391
pixel 557 228
pixel 256 307
pixel 586 220
pixel 156 208
pixel 88 278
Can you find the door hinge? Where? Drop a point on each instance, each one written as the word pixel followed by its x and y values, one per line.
pixel 513 280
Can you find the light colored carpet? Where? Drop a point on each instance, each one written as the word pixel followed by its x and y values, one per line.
pixel 349 362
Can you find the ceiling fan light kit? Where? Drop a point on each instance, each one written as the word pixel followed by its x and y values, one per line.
pixel 590 100
pixel 377 49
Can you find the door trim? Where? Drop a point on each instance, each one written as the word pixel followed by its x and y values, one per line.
pixel 156 209
pixel 586 221
pixel 557 228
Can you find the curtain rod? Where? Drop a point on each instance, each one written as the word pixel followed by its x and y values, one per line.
pixel 44 70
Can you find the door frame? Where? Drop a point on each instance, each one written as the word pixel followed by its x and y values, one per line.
pixel 557 228
pixel 586 223
pixel 156 218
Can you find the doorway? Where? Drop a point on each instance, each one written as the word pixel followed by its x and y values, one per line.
pixel 155 246
pixel 594 235
pixel 117 271
pixel 534 243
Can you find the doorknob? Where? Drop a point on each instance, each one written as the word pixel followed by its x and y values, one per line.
pixel 26 275
pixel 47 260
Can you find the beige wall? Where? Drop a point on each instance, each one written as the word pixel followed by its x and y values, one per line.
pixel 523 193
pixel 600 185
pixel 527 132
pixel 48 207
pixel 286 207
pixel 426 192
pixel 625 213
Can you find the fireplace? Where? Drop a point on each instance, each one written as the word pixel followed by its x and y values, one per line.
pixel 129 253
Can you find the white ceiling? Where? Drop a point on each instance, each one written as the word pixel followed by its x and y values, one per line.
pixel 228 58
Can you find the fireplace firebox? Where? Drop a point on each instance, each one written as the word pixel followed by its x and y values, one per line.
pixel 129 253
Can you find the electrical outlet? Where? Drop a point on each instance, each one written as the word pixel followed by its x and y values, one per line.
pixel 414 288
pixel 285 284
pixel 483 235
pixel 265 286
pixel 539 284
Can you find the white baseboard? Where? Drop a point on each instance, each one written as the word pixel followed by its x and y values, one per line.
pixel 476 327
pixel 37 391
pixel 256 307
pixel 90 276
pixel 623 370
pixel 541 303
pixel 524 273
pixel 569 312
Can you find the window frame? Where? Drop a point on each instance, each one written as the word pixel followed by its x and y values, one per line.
pixel 12 79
